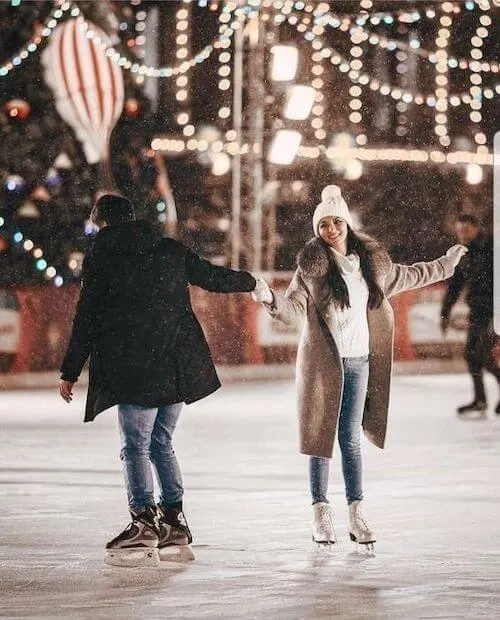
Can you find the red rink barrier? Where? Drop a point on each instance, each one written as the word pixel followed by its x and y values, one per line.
pixel 35 323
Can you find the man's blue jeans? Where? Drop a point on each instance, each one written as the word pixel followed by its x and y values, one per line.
pixel 147 441
pixel 349 435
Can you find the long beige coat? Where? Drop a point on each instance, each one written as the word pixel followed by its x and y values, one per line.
pixel 319 373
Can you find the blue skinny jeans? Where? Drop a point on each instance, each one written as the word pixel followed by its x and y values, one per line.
pixel 146 435
pixel 349 436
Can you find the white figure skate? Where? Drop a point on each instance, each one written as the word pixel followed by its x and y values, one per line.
pixel 359 531
pixel 323 531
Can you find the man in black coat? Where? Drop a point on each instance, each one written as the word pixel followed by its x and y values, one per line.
pixel 475 274
pixel 148 355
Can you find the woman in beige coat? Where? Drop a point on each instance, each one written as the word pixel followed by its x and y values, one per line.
pixel 339 294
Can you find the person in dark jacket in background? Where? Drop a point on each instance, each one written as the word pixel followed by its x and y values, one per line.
pixel 475 275
pixel 148 355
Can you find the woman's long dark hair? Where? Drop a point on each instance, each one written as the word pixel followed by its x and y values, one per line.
pixel 339 292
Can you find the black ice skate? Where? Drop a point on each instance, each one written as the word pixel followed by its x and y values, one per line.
pixel 175 536
pixel 476 406
pixel 137 545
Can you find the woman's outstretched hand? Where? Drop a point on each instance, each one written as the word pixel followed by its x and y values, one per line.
pixel 455 253
pixel 262 292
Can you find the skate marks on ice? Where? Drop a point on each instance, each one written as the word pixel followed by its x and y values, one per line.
pixel 433 499
pixel 345 553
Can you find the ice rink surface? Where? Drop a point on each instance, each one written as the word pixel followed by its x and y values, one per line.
pixel 432 497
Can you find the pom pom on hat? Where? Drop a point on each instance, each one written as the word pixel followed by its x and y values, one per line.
pixel 332 204
pixel 331 192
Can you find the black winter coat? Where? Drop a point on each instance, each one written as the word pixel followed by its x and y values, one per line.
pixel 135 321
pixel 475 274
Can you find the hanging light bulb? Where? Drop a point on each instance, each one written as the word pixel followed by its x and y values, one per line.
pixel 473 174
pixel 285 62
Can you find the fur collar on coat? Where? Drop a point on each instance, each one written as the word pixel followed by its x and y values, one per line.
pixel 312 260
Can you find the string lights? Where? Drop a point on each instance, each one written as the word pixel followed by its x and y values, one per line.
pixel 222 41
pixel 438 101
pixel 441 78
pixel 32 46
pixel 343 65
pixel 356 64
pixel 312 24
pixel 402 69
pixel 178 146
pixel 392 45
pixel 36 252
pixel 163 72
pixel 225 58
pixel 318 83
pixel 140 28
pixel 182 49
pixel 476 94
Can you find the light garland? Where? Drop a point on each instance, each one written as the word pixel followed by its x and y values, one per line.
pixel 32 46
pixel 140 28
pixel 392 45
pixel 222 41
pixel 356 90
pixel 409 155
pixel 164 72
pixel 318 83
pixel 182 49
pixel 225 57
pixel 226 31
pixel 338 60
pixel 482 158
pixel 401 106
pixel 405 16
pixel 441 78
pixel 475 77
pixel 49 272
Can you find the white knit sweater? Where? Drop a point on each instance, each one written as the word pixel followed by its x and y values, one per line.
pixel 353 337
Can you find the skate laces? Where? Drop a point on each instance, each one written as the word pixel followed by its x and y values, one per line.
pixel 325 517
pixel 359 518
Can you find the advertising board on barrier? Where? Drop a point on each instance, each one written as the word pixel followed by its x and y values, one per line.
pixel 271 332
pixel 424 322
pixel 10 328
pixel 275 333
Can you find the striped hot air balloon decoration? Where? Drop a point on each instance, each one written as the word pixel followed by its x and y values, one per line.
pixel 87 84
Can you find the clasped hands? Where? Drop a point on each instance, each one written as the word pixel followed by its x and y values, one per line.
pixel 262 292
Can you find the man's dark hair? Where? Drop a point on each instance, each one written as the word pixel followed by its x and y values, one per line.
pixel 112 209
pixel 467 218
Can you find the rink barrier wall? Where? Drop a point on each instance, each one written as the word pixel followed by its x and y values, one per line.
pixel 35 323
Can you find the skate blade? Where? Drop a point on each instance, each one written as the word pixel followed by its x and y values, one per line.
pixel 176 553
pixel 476 414
pixel 363 547
pixel 132 558
pixel 324 543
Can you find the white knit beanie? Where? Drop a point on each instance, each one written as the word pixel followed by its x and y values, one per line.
pixel 332 204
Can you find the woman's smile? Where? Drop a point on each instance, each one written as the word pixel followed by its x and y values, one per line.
pixel 333 230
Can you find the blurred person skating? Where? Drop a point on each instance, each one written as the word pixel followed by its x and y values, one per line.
pixel 148 355
pixel 475 276
pixel 339 296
